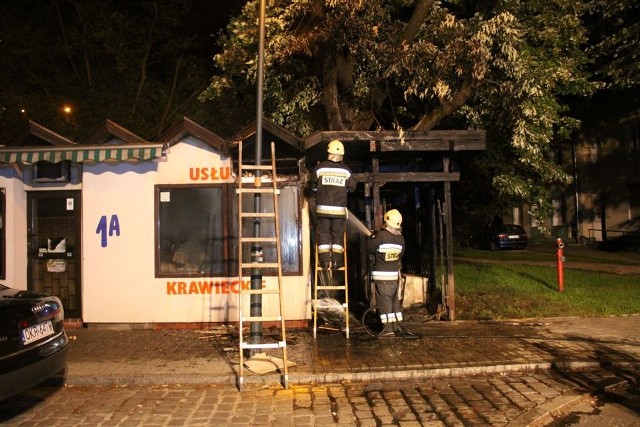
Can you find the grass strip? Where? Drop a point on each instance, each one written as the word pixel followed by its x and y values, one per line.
pixel 516 291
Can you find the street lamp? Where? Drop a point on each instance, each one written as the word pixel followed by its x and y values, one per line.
pixel 256 275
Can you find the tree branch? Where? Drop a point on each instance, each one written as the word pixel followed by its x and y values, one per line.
pixel 420 13
pixel 174 84
pixel 430 120
pixel 408 35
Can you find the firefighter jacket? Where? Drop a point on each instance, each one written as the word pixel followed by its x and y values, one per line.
pixel 387 247
pixel 331 181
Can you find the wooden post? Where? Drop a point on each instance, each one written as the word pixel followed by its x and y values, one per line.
pixel 377 215
pixel 448 218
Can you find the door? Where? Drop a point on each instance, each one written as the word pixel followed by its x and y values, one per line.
pixel 53 227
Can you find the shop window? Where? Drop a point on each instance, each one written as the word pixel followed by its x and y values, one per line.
pixel 197 229
pixel 190 238
pixel 289 227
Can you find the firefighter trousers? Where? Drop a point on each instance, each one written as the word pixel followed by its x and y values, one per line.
pixel 330 238
pixel 389 305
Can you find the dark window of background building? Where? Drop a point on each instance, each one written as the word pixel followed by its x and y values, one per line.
pixel 3 246
pixel 634 201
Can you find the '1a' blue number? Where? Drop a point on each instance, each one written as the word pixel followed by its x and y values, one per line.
pixel 114 228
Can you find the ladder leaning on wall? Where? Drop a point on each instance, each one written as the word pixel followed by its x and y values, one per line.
pixel 326 281
pixel 273 241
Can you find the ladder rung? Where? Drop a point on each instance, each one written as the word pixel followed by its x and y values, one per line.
pixel 258 214
pixel 258 239
pixel 259 265
pixel 278 344
pixel 261 318
pixel 334 269
pixel 263 291
pixel 256 167
pixel 331 287
pixel 323 307
pixel 256 190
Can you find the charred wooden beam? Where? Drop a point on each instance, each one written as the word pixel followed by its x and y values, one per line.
pixel 432 140
pixel 383 177
pixel 431 145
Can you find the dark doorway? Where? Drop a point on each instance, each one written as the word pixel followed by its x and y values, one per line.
pixel 53 227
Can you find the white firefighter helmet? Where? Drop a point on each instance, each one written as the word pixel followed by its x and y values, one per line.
pixel 393 218
pixel 335 147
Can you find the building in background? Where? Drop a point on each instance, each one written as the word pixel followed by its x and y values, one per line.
pixel 602 204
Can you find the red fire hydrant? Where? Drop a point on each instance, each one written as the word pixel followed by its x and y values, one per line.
pixel 560 262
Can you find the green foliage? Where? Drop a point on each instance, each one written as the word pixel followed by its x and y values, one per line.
pixel 502 66
pixel 615 43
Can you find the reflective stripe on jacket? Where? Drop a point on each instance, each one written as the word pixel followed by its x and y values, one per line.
pixel 332 181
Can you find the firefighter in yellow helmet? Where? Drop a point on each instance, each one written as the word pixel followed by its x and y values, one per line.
pixel 386 247
pixel 331 180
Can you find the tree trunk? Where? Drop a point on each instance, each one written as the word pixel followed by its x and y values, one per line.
pixel 65 40
pixel 145 59
pixel 330 91
pixel 172 92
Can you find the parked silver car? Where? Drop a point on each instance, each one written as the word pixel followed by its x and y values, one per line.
pixel 33 342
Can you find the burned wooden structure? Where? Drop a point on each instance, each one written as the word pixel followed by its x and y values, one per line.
pixel 400 169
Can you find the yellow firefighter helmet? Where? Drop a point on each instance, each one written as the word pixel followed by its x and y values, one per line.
pixel 335 147
pixel 393 218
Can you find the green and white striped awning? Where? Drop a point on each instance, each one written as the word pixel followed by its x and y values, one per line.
pixel 81 154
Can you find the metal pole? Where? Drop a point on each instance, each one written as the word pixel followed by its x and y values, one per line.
pixel 255 331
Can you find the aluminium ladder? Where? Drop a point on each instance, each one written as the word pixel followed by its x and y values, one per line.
pixel 332 286
pixel 257 188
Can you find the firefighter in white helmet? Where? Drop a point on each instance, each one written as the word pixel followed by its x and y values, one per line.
pixel 332 180
pixel 386 247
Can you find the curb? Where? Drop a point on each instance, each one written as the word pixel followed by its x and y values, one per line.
pixel 329 377
pixel 543 415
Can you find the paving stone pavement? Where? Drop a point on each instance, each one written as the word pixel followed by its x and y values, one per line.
pixel 459 373
pixel 100 356
pixel 514 399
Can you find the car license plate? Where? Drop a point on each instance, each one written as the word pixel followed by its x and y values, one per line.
pixel 36 332
pixel 513 236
